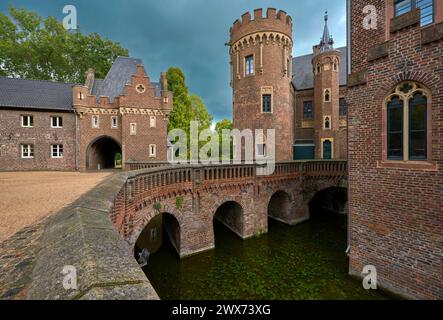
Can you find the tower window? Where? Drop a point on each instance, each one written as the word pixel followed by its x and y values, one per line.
pixel 267 103
pixel 307 110
pixel 342 107
pixel 327 123
pixel 95 121
pixel 426 9
pixel 318 68
pixel 114 122
pixel 152 150
pixel 261 145
pixel 152 121
pixel 132 129
pixel 327 95
pixel 249 65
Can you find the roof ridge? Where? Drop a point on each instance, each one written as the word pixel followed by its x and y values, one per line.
pixel 38 80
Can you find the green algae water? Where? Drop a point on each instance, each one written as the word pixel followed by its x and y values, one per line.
pixel 306 261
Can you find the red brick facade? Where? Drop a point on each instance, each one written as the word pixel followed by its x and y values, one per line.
pixel 138 107
pixel 269 41
pixel 86 146
pixel 395 207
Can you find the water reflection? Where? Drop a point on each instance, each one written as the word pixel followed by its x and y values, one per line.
pixel 306 261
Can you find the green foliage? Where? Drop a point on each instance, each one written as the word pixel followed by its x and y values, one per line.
pixel 225 124
pixel 157 206
pixel 187 107
pixel 179 202
pixel 37 48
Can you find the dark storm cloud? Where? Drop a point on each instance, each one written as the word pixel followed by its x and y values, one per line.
pixel 191 34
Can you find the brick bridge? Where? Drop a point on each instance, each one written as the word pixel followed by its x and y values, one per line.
pixel 233 194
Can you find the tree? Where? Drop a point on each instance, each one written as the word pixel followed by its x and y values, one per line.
pixel 187 107
pixel 37 48
pixel 225 124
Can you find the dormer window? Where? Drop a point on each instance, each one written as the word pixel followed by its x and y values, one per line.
pixel 140 88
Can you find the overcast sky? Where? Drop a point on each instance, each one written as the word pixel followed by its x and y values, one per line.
pixel 191 34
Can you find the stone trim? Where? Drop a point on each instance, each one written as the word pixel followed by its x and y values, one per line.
pixel 358 78
pixel 432 33
pixel 408 19
pixel 379 51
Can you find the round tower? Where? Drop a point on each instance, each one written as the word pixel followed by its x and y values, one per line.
pixel 261 71
pixel 326 64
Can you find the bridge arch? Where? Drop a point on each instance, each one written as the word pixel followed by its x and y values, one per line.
pixel 170 219
pixel 102 152
pixel 231 214
pixel 332 198
pixel 280 206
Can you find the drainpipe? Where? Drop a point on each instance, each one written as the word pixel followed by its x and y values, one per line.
pixel 76 142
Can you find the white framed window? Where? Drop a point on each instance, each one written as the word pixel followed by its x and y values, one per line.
pixel 261 145
pixel 81 96
pixel 153 121
pixel 56 122
pixel 249 65
pixel 152 150
pixel 27 151
pixel 114 122
pixel 165 100
pixel 57 151
pixel 27 121
pixel 327 95
pixel 133 129
pixel 95 121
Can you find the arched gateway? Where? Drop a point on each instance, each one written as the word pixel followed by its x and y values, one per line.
pixel 103 153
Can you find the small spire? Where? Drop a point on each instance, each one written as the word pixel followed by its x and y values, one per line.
pixel 326 42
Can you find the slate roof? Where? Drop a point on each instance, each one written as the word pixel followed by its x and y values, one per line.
pixel 118 76
pixel 36 94
pixel 302 71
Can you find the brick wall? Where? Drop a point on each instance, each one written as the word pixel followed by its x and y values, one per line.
pixel 395 207
pixel 41 135
pixel 268 39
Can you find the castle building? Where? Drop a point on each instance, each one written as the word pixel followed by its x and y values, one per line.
pixel 302 98
pixel 395 103
pixel 101 124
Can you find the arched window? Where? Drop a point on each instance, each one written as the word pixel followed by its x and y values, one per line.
pixel 407 122
pixel 327 95
pixel 318 68
pixel 327 123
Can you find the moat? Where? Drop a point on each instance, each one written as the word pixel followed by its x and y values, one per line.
pixel 306 261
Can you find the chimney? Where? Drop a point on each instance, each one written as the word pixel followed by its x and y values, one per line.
pixel 90 76
pixel 163 82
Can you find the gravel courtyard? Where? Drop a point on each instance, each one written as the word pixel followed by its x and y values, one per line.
pixel 27 197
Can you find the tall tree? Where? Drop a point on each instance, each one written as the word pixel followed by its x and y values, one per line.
pixel 187 107
pixel 37 48
pixel 225 124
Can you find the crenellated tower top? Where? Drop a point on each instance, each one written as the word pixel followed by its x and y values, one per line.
pixel 273 22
